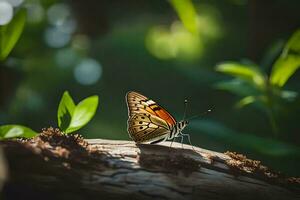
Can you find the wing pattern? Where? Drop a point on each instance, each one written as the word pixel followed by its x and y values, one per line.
pixel 147 121
pixel 144 127
pixel 138 103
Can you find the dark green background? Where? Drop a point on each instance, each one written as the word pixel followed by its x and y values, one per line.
pixel 116 32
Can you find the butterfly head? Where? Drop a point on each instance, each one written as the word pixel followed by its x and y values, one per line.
pixel 182 124
pixel 186 122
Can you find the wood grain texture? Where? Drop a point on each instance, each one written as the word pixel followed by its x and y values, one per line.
pixel 124 170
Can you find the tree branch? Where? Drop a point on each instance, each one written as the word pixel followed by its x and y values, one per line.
pixel 66 167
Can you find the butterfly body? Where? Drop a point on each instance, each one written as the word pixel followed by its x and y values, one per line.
pixel 150 123
pixel 177 129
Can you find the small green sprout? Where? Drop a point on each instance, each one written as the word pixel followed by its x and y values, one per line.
pixel 72 117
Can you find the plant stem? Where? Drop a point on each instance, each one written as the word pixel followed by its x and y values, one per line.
pixel 273 122
pixel 271 111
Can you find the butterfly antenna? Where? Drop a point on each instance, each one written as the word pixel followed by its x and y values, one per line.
pixel 200 115
pixel 185 108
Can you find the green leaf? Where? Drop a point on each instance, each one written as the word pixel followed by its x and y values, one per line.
pixel 10 33
pixel 12 131
pixel 245 101
pixel 65 111
pixel 83 113
pixel 288 62
pixel 248 73
pixel 283 69
pixel 187 14
pixel 238 87
pixel 293 45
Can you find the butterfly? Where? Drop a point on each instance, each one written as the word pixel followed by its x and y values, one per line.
pixel 149 122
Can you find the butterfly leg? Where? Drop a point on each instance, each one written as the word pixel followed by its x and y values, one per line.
pixel 181 136
pixel 188 136
pixel 172 142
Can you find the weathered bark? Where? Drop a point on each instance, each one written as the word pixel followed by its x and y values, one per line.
pixel 123 170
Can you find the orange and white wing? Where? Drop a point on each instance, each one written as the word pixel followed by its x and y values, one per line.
pixel 138 103
pixel 143 127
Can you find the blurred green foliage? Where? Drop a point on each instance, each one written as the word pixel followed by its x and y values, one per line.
pixel 256 87
pixel 265 146
pixel 187 13
pixel 73 117
pixel 166 50
pixel 10 33
pixel 184 40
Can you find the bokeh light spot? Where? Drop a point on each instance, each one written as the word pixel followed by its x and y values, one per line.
pixel 56 38
pixel 177 42
pixel 14 3
pixel 6 12
pixel 160 43
pixel 69 26
pixel 35 12
pixel 88 71
pixel 58 14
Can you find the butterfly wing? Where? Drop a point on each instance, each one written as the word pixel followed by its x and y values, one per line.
pixel 144 127
pixel 148 121
pixel 138 103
